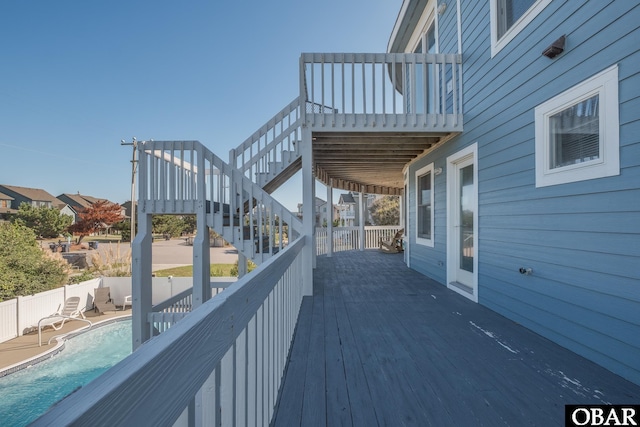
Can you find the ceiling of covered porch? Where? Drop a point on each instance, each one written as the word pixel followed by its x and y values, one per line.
pixel 375 160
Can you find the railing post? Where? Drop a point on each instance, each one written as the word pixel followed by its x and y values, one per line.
pixel 303 92
pixel 141 279
pixel 308 210
pixel 330 218
pixel 363 206
pixel 201 245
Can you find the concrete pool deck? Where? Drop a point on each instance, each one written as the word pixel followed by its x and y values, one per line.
pixel 26 347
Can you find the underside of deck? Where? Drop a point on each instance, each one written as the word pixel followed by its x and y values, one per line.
pixel 380 344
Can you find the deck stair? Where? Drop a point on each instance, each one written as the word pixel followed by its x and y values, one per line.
pixel 271 155
pixel 184 177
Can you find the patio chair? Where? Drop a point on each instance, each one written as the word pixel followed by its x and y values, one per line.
pixel 127 302
pixel 394 245
pixel 65 312
pixel 102 300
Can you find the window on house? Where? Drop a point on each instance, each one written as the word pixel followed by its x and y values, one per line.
pixel 424 205
pixel 509 17
pixel 416 102
pixel 577 136
pixel 509 11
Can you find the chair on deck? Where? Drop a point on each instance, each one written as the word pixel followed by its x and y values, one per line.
pixel 394 245
pixel 65 312
pixel 102 300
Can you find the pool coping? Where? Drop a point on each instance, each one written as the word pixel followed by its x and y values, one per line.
pixel 60 339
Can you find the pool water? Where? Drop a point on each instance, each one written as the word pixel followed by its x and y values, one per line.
pixel 28 393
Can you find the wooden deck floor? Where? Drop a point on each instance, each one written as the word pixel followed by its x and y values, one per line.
pixel 379 344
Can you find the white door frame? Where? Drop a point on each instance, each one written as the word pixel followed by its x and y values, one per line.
pixel 469 289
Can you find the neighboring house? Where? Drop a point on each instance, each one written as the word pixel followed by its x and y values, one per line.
pixel 35 197
pixel 320 212
pixel 348 210
pixel 79 202
pixel 5 207
pixel 127 209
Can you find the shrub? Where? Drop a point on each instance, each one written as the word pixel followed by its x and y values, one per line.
pixel 26 269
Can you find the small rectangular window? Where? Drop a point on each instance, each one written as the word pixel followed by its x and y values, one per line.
pixel 577 132
pixel 424 205
pixel 574 134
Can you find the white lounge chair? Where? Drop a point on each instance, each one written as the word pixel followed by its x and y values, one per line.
pixel 69 311
pixel 127 302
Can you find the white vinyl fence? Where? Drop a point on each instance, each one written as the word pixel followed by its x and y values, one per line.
pixel 21 315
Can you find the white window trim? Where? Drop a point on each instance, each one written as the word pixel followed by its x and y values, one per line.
pixel 604 84
pixel 519 25
pixel 418 174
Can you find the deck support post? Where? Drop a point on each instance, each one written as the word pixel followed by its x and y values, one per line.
pixel 242 265
pixel 201 261
pixel 308 214
pixel 330 218
pixel 141 280
pixel 362 216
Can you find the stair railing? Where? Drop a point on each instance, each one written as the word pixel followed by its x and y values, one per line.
pixel 271 148
pixel 184 177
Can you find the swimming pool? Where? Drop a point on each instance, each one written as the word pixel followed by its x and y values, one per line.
pixel 28 393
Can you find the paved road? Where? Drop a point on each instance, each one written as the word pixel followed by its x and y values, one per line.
pixel 168 253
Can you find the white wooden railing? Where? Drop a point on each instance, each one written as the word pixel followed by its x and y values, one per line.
pixel 170 311
pixel 220 365
pixel 184 177
pixel 382 89
pixel 272 148
pixel 348 238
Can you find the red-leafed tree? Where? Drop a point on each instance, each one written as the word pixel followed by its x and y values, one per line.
pixel 102 214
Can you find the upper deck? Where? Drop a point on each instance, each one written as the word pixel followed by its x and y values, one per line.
pixel 372 113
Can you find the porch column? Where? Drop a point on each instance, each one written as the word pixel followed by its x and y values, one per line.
pixel 141 280
pixel 401 211
pixel 242 265
pixel 308 211
pixel 201 261
pixel 363 205
pixel 330 218
pixel 201 244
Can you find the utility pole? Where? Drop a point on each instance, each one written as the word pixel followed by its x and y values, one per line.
pixel 134 164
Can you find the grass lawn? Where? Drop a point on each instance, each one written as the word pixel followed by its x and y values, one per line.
pixel 217 270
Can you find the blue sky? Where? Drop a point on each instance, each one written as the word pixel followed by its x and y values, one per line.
pixel 79 76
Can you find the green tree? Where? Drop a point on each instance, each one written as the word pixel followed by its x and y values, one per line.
pixel 124 227
pixel 45 222
pixel 171 225
pixel 386 211
pixel 25 269
pixel 189 224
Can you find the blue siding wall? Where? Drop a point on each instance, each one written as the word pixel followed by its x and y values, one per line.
pixel 581 239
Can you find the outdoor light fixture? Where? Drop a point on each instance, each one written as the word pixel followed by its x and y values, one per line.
pixel 441 8
pixel 437 171
pixel 556 48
